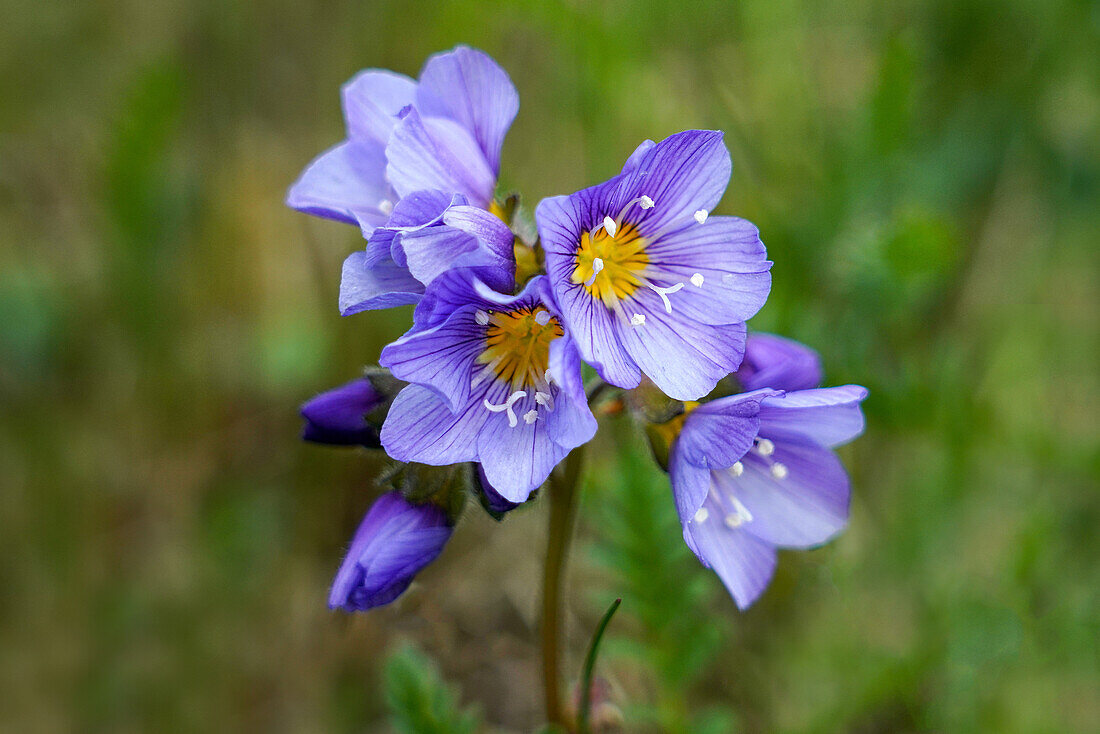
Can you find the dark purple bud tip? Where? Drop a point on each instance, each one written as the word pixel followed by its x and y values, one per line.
pixel 339 417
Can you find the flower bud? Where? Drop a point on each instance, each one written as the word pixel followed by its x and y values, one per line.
pixel 393 543
pixel 339 416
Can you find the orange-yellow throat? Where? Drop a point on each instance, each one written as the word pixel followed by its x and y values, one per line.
pixel 609 267
pixel 518 345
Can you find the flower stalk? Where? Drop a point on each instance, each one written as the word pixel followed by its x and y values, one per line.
pixel 562 494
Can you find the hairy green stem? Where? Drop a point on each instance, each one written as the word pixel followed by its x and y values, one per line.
pixel 562 492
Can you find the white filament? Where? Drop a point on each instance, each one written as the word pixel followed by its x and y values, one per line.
pixel 506 406
pixel 663 293
pixel 740 516
pixel 597 266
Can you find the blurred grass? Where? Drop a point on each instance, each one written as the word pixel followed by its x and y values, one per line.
pixel 926 178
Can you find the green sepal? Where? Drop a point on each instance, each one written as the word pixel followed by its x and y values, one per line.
pixel 444 486
pixel 658 445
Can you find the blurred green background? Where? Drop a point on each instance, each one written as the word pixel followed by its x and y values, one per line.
pixel 926 178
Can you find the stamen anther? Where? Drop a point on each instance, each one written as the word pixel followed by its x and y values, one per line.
pixel 482 318
pixel 597 266
pixel 697 280
pixel 611 226
pixel 542 318
pixel 637 319
pixel 779 471
pixel 738 468
pixel 546 400
pixel 530 416
pixel 701 216
pixel 702 514
pixel 646 203
pixel 385 206
pixel 764 447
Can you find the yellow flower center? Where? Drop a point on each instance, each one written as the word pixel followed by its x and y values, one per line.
pixel 670 430
pixel 621 259
pixel 518 346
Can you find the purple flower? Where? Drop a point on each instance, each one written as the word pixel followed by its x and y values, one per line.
pixel 442 133
pixel 491 500
pixel 496 380
pixel 417 172
pixel 756 471
pixel 395 540
pixel 339 416
pixel 783 364
pixel 428 234
pixel 648 282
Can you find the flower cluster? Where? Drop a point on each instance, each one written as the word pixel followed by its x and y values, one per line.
pixel 633 277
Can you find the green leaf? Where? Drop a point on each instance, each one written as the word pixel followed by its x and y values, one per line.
pixel 420 701
pixel 590 664
pixel 669 594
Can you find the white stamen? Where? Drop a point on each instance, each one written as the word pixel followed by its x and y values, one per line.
pixel 597 266
pixel 530 416
pixel 779 471
pixel 697 280
pixel 482 318
pixel 701 216
pixel 610 225
pixel 542 318
pixel 385 206
pixel 737 469
pixel 506 406
pixel 637 319
pixel 546 400
pixel 548 376
pixel 740 516
pixel 702 515
pixel 764 447
pixel 643 201
pixel 663 293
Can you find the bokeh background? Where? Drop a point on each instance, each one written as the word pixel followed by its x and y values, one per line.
pixel 926 178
